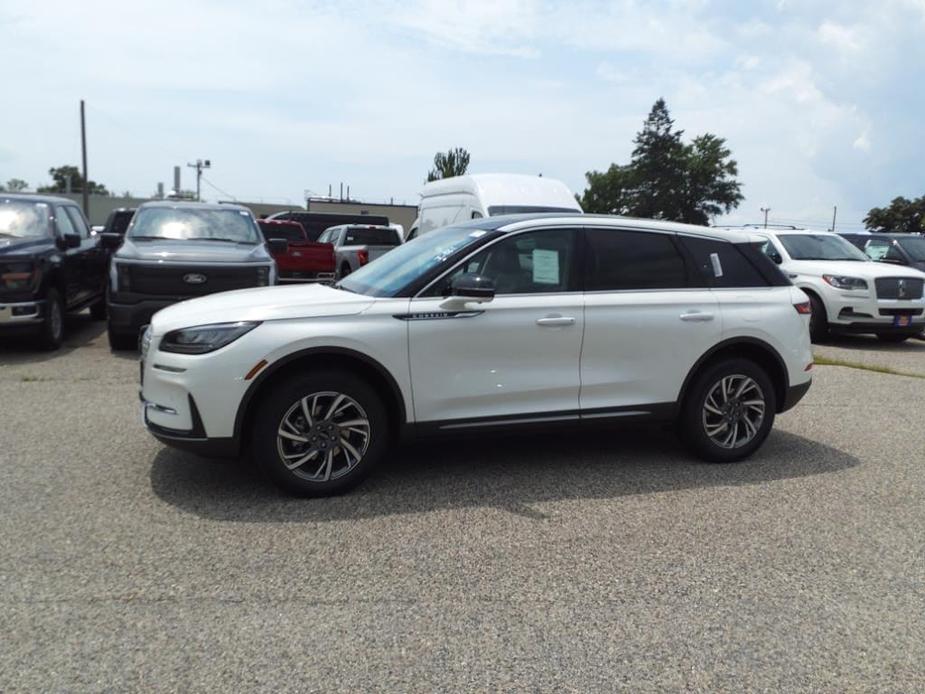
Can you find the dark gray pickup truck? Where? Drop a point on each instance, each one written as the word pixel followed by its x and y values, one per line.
pixel 179 250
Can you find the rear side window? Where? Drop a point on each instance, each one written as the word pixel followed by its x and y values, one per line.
pixel 618 259
pixel 710 256
pixel 372 237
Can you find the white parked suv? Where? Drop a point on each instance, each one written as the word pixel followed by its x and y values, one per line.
pixel 497 323
pixel 849 292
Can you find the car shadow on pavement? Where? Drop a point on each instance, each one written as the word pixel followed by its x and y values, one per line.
pixel 506 473
pixel 79 331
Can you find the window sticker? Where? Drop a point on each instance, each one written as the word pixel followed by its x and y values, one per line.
pixel 545 266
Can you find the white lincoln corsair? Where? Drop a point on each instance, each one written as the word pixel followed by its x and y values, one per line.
pixel 501 322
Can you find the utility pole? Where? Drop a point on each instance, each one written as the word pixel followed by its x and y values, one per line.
pixel 199 166
pixel 765 210
pixel 834 213
pixel 83 150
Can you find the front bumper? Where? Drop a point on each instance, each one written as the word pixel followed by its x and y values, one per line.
pixel 863 312
pixel 193 440
pixel 21 314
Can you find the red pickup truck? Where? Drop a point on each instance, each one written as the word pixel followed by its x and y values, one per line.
pixel 304 261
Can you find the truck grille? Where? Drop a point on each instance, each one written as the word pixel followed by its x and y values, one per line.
pixel 904 288
pixel 190 280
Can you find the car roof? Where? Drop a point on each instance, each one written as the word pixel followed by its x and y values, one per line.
pixel 32 197
pixel 516 222
pixel 189 205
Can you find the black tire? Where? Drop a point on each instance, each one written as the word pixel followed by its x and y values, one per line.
pixel 692 423
pixel 894 338
pixel 51 333
pixel 344 270
pixel 284 404
pixel 818 320
pixel 98 310
pixel 121 340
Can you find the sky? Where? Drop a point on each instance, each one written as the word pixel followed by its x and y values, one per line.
pixel 821 102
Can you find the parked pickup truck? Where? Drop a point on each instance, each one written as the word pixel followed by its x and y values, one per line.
pixel 303 260
pixel 358 244
pixel 49 264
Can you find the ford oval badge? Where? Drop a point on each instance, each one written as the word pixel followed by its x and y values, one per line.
pixel 194 278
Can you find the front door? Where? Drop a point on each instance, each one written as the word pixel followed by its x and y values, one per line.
pixel 71 261
pixel 516 356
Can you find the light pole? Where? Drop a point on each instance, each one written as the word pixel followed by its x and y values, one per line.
pixel 765 210
pixel 199 166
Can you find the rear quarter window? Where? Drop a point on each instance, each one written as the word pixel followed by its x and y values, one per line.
pixel 372 237
pixel 738 264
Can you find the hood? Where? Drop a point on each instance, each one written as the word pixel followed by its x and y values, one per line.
pixel 11 247
pixel 281 302
pixel 192 251
pixel 865 270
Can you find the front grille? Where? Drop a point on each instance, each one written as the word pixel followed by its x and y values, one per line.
pixel 189 280
pixel 903 288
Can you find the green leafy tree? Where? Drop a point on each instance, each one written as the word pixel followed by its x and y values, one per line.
pixel 60 176
pixel 902 216
pixel 455 162
pixel 15 185
pixel 666 178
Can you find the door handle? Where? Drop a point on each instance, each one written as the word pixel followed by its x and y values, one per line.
pixel 553 321
pixel 696 317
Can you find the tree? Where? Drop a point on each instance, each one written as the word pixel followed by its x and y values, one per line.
pixel 15 185
pixel 666 178
pixel 61 174
pixel 903 216
pixel 454 163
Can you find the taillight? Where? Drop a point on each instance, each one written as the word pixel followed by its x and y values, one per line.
pixel 363 256
pixel 804 308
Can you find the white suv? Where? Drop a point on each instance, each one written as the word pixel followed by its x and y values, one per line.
pixel 848 291
pixel 497 323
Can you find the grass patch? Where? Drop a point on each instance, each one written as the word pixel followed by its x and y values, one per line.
pixel 827 361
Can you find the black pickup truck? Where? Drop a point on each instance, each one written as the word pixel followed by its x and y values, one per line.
pixel 49 264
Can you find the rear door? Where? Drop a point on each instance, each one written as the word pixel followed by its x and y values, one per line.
pixel 645 325
pixel 513 357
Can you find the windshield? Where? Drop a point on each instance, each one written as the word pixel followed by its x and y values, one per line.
pixel 186 223
pixel 21 219
pixel 498 210
pixel 914 246
pixel 820 247
pixel 396 269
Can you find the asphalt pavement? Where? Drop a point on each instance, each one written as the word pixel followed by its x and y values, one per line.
pixel 588 562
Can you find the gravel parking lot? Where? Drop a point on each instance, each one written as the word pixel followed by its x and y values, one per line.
pixel 582 562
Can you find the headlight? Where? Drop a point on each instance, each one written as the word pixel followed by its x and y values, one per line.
pixel 842 282
pixel 119 273
pixel 205 338
pixel 17 275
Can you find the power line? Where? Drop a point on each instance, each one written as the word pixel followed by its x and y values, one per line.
pixel 215 187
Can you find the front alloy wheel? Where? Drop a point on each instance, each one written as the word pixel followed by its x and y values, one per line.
pixel 319 433
pixel 323 436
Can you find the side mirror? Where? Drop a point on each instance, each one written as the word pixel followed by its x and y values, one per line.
pixel 111 241
pixel 776 257
pixel 278 246
pixel 69 241
pixel 473 288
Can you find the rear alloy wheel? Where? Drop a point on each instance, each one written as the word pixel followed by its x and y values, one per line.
pixel 51 334
pixel 818 320
pixel 320 434
pixel 729 411
pixel 344 270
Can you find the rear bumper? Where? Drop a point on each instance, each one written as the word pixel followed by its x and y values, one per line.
pixel 794 395
pixel 292 276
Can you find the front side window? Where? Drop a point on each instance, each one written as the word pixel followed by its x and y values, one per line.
pixel 191 224
pixel 77 220
pixel 535 262
pixel 622 260
pixel 820 247
pixel 65 225
pixel 21 219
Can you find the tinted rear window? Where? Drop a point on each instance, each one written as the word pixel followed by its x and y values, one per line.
pixel 372 237
pixel 737 270
pixel 619 259
pixel 290 232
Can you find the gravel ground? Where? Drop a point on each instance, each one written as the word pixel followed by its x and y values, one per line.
pixel 585 563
